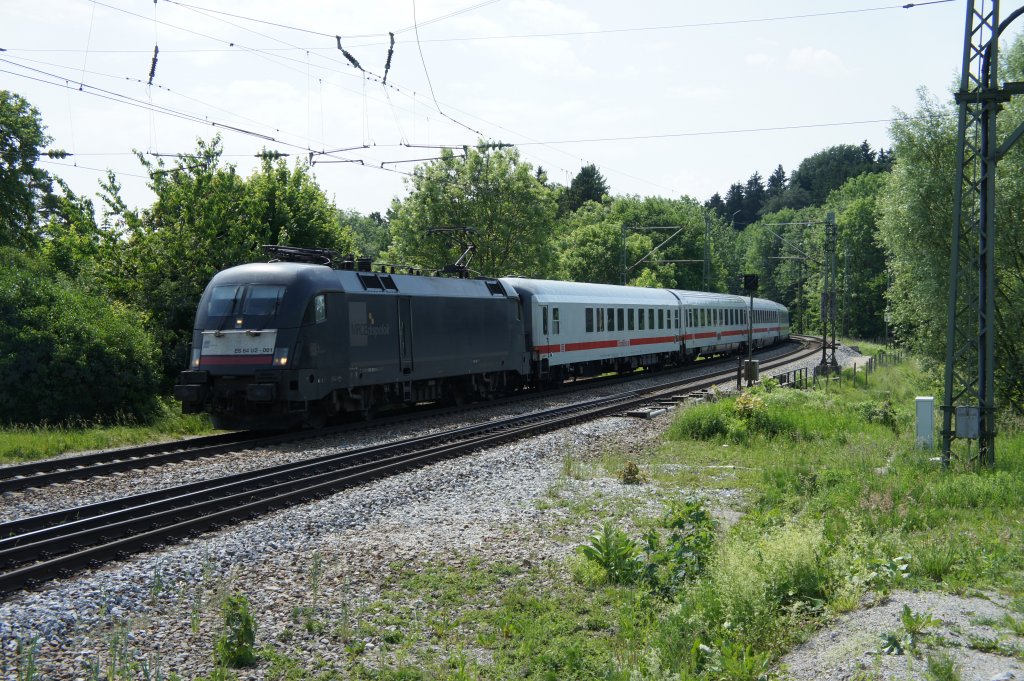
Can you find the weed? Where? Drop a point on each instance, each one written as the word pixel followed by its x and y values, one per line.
pixel 572 468
pixel 316 575
pixel 614 551
pixel 984 644
pixel 631 474
pixel 740 662
pixel 196 608
pixel 935 559
pixel 156 586
pixel 687 551
pixel 25 652
pixel 219 673
pixel 234 647
pixel 885 572
pixel 941 667
pixel 1016 626
pixel 915 623
pixel 893 643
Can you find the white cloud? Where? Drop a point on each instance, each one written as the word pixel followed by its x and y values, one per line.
pixel 760 59
pixel 702 94
pixel 816 61
pixel 545 13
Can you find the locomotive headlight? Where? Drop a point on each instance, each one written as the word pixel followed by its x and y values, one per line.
pixel 280 357
pixel 196 354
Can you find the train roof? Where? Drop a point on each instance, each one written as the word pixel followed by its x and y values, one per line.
pixel 312 277
pixel 571 291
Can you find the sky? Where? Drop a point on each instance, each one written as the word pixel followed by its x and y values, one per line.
pixel 666 98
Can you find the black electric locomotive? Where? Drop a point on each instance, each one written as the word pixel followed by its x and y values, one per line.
pixel 282 344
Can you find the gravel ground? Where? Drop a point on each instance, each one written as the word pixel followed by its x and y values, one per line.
pixel 481 507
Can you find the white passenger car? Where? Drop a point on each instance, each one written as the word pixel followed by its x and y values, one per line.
pixel 578 329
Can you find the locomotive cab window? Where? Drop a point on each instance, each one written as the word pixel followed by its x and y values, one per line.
pixel 319 309
pixel 224 300
pixel 255 300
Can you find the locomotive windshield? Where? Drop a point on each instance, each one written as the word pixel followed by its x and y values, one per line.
pixel 252 300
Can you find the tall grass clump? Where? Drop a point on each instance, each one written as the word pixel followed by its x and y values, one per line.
pixel 760 584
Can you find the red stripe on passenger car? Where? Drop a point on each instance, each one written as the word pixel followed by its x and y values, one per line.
pixel 652 341
pixel 226 360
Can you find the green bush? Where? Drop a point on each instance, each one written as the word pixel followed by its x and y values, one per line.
pixel 702 422
pixel 67 355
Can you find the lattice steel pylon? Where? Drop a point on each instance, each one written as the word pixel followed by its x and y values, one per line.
pixel 970 349
pixel 828 298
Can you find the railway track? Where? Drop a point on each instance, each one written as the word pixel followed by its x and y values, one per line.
pixel 33 550
pixel 66 469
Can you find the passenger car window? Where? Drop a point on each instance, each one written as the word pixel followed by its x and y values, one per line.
pixel 661 319
pixel 611 319
pixel 554 320
pixel 600 319
pixel 631 318
pixel 622 319
pixel 640 314
pixel 589 320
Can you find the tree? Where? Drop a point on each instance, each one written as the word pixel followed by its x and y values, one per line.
pixel 754 195
pixel 588 185
pixel 860 260
pixel 22 183
pixel 777 182
pixel 66 354
pixel 716 204
pixel 489 199
pixel 292 210
pixel 371 233
pixel 591 248
pixel 830 168
pixel 734 201
pixel 71 239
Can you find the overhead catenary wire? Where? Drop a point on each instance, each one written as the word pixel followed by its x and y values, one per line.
pixel 568 34
pixel 552 143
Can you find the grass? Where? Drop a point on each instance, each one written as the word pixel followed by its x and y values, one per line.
pixel 27 443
